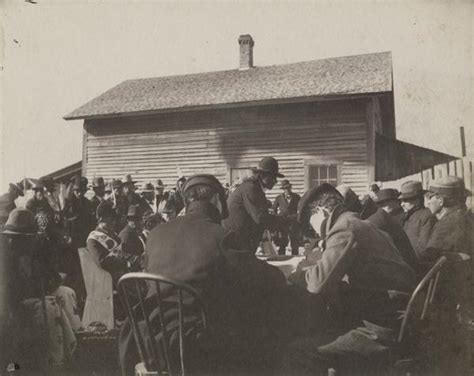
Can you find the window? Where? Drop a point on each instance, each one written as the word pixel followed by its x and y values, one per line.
pixel 322 173
pixel 238 174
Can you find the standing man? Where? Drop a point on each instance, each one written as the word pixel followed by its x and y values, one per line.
pixel 165 206
pixel 120 203
pixel 248 207
pixel 147 201
pixel 38 202
pixel 7 202
pixel 79 213
pixel 286 205
pixel 129 189
pixel 418 221
pixel 98 186
pixel 50 196
pixel 387 199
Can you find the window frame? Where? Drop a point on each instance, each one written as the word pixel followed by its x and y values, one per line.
pixel 317 162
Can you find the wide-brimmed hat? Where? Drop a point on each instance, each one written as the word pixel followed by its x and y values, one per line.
pixel 310 196
pixel 38 186
pixel 285 183
pixel 411 189
pixel 385 195
pixel 449 186
pixel 147 187
pixel 351 200
pixel 80 183
pixel 47 182
pixel 268 165
pixel 159 183
pixel 98 182
pixel 20 222
pixel 16 188
pixel 214 183
pixel 105 210
pixel 128 180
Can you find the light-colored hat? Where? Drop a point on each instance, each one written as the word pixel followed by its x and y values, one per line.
pixel 411 189
pixel 450 186
pixel 147 187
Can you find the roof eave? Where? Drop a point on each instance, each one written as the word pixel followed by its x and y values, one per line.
pixel 227 105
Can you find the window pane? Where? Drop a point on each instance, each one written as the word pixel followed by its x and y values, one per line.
pixel 323 175
pixel 333 172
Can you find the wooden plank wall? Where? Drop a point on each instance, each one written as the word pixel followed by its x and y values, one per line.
pixel 171 144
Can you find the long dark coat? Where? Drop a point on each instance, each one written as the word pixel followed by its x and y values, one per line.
pixel 190 249
pixel 418 224
pixel 6 206
pixel 249 216
pixel 385 222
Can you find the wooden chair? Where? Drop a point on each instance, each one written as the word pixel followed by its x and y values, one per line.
pixel 132 287
pixel 99 301
pixel 417 311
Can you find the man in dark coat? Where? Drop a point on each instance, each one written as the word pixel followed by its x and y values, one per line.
pixel 418 221
pixel 286 205
pixel 7 202
pixel 98 186
pixel 387 199
pixel 383 221
pixel 129 189
pixel 234 285
pixel 453 230
pixel 147 201
pixel 248 207
pixel 38 202
pixel 372 265
pixel 79 213
pixel 131 243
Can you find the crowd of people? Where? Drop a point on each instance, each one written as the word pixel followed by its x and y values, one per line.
pixel 339 309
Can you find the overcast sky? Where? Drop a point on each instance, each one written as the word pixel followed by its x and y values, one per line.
pixel 57 55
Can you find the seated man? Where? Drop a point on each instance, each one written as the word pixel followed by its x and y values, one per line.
pixel 191 249
pixel 106 247
pixel 364 256
pixel 130 235
pixel 387 200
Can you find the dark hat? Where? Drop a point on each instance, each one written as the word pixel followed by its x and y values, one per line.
pixel 147 187
pixel 312 195
pixel 105 210
pixel 38 186
pixel 80 183
pixel 411 189
pixel 16 188
pixel 159 183
pixel 48 182
pixel 386 194
pixel 285 184
pixel 151 216
pixel 450 186
pixel 351 200
pixel 214 183
pixel 128 180
pixel 133 211
pixel 268 165
pixel 117 183
pixel 181 178
pixel 20 222
pixel 98 183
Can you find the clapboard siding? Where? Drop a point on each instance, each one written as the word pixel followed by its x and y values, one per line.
pixel 167 145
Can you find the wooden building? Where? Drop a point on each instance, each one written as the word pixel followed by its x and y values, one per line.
pixel 324 120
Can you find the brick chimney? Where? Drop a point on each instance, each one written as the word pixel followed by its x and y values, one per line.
pixel 246 52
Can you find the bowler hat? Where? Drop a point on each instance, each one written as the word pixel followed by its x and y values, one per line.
pixel 411 189
pixel 16 188
pixel 147 187
pixel 285 184
pixel 214 183
pixel 268 165
pixel 386 194
pixel 312 195
pixel 98 183
pixel 450 186
pixel 159 183
pixel 133 211
pixel 20 222
pixel 105 210
pixel 128 180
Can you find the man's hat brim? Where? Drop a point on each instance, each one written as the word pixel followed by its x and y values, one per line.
pixel 278 175
pixel 310 196
pixel 410 195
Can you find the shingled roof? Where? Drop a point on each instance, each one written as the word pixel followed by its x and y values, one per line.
pixel 360 74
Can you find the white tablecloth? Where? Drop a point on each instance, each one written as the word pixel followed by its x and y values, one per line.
pixel 286 266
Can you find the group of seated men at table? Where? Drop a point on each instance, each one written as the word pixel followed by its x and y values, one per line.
pixel 340 309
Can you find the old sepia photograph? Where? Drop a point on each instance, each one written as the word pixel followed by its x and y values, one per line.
pixel 236 187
